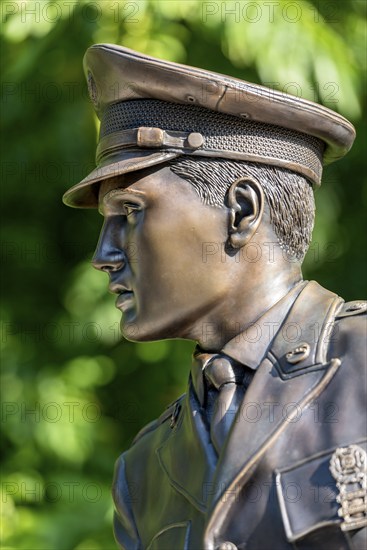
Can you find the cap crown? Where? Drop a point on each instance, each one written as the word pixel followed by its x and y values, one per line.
pixel 153 110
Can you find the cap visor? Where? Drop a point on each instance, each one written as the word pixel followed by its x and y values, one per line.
pixel 85 193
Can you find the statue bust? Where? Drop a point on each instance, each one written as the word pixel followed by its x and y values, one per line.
pixel 209 180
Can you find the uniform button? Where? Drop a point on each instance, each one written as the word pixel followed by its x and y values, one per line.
pixel 355 307
pixel 175 415
pixel 227 546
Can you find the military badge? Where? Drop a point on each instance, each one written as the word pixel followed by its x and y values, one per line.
pixel 348 467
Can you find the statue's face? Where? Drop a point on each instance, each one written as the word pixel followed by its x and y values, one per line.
pixel 163 250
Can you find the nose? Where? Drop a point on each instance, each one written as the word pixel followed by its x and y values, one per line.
pixel 111 261
pixel 109 255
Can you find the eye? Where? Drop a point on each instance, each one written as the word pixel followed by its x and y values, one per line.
pixel 130 209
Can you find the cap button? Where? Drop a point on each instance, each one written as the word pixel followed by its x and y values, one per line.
pixel 195 140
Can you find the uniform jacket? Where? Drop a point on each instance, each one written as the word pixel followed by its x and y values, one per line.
pixel 271 487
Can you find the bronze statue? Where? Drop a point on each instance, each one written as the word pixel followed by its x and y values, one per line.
pixel 210 178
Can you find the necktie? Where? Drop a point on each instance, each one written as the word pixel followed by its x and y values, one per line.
pixel 227 382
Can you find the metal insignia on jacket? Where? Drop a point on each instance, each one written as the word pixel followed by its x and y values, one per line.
pixel 348 467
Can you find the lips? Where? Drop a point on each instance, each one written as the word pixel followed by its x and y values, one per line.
pixel 124 300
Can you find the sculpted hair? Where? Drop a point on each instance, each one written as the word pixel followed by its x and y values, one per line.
pixel 289 195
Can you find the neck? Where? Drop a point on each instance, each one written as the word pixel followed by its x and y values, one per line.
pixel 243 308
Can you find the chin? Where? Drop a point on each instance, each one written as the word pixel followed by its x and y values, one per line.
pixel 130 331
pixel 136 330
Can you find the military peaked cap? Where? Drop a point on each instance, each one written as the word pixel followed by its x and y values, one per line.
pixel 152 111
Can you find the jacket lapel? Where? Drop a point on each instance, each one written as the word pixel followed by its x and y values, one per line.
pixel 292 375
pixel 187 456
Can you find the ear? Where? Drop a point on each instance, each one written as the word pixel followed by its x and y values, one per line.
pixel 246 204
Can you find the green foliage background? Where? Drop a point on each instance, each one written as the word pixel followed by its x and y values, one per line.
pixel 74 393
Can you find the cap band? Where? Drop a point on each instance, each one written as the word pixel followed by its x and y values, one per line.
pixel 194 130
pixel 150 138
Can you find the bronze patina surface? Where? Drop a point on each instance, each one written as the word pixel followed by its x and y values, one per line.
pixel 212 190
